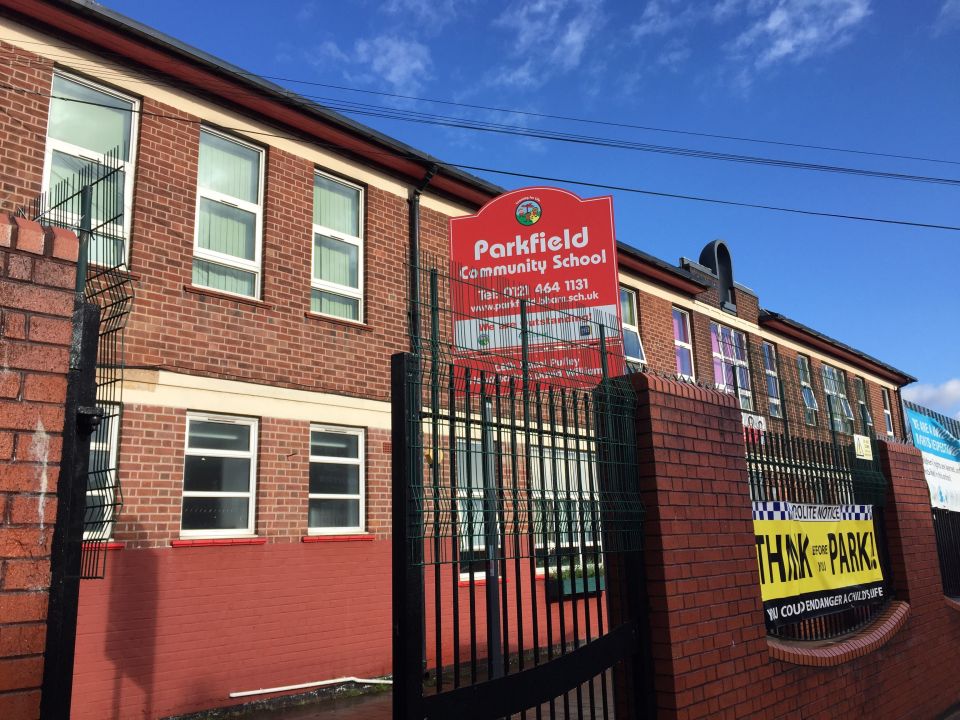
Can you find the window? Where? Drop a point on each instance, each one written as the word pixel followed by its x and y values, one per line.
pixel 682 343
pixel 87 123
pixel 810 406
pixel 337 279
pixel 835 388
pixel 887 415
pixel 336 480
pixel 566 508
pixel 472 518
pixel 102 477
pixel 632 345
pixel 731 373
pixel 866 419
pixel 219 476
pixel 773 380
pixel 226 250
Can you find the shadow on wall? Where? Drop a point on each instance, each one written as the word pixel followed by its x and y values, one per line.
pixel 131 624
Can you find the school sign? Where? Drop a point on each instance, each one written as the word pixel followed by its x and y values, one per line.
pixel 557 252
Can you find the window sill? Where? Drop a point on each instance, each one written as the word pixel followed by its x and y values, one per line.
pixel 356 537
pixel 252 302
pixel 108 545
pixel 477 581
pixel 210 542
pixel 833 653
pixel 337 321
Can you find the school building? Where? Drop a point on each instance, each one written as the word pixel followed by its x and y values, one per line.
pixel 267 240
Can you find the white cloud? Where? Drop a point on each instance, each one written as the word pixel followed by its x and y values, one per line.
pixel 949 17
pixel 428 15
pixel 547 37
pixel 674 55
pixel 306 11
pixel 944 398
pixel 657 19
pixel 796 30
pixel 404 64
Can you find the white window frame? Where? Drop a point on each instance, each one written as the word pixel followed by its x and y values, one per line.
pixel 251 494
pixel 835 390
pixel 217 258
pixel 360 461
pixel 642 359
pixel 331 287
pixel 112 414
pixel 732 360
pixel 806 381
pixel 467 450
pixel 860 388
pixel 557 458
pixel 677 343
pixel 772 374
pixel 887 413
pixel 52 145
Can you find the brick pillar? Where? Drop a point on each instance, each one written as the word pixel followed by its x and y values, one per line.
pixel 37 274
pixel 911 540
pixel 705 610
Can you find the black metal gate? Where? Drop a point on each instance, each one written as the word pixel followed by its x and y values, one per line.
pixel 517 581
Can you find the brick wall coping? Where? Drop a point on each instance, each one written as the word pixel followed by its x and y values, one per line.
pixel 830 653
pixel 952 602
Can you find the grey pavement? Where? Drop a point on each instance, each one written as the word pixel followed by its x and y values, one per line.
pixel 376 706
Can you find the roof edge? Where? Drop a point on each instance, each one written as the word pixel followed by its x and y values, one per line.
pixel 62 16
pixel 791 328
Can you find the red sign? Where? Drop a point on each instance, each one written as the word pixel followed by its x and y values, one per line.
pixel 548 247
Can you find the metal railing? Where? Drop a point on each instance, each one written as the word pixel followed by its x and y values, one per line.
pixel 522 512
pixel 91 203
pixel 803 451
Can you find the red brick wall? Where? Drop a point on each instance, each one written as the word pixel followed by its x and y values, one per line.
pixel 23 125
pixel 711 656
pixel 274 341
pixel 36 305
pixel 151 462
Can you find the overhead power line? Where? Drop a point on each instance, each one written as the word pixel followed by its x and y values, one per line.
pixel 565 118
pixel 531 176
pixel 367 110
pixel 608 123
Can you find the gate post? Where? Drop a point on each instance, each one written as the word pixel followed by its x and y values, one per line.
pixel 80 421
pixel 633 690
pixel 406 460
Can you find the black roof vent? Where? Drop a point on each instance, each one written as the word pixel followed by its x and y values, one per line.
pixel 716 256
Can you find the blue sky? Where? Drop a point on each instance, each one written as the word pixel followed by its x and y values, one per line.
pixel 855 74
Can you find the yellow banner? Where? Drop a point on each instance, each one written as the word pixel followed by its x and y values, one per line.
pixel 804 549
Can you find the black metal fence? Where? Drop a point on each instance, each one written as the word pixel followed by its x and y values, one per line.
pixel 946 523
pixel 799 432
pixel 520 519
pixel 90 201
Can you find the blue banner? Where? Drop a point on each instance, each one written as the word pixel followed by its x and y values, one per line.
pixel 940 449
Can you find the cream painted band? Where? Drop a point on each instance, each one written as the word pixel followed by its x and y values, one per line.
pixel 175 390
pixel 96 68
pixel 683 301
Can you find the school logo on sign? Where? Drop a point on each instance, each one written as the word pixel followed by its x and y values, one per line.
pixel 528 212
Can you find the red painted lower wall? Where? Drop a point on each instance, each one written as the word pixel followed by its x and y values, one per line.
pixel 175 630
